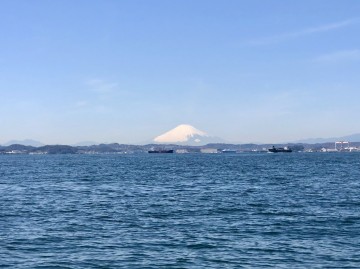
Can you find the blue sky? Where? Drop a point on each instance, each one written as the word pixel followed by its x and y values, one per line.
pixel 127 71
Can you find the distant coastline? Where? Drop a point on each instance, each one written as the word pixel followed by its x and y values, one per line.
pixel 116 148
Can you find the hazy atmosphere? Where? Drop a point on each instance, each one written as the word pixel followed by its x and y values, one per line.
pixel 128 71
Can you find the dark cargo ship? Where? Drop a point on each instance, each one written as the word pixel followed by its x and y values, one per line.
pixel 161 151
pixel 275 150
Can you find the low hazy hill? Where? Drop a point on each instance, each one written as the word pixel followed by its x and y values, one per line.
pixel 349 138
pixel 26 142
pixel 85 143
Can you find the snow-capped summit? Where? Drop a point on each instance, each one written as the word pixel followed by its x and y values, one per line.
pixel 184 134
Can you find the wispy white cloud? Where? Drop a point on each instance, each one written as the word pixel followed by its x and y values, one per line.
pixel 305 32
pixel 81 103
pixel 98 93
pixel 327 27
pixel 102 109
pixel 339 56
pixel 101 86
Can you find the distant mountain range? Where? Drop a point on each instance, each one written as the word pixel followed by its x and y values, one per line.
pixel 349 138
pixel 34 143
pixel 190 136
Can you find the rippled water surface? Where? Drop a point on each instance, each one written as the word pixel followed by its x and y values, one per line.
pixel 180 211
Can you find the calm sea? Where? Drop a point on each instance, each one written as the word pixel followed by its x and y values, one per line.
pixel 293 210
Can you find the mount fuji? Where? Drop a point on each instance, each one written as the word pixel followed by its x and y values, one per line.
pixel 185 134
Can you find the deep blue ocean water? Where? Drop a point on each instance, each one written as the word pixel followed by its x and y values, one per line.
pixel 298 210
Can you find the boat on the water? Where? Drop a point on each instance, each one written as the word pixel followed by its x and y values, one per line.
pixel 161 151
pixel 275 150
